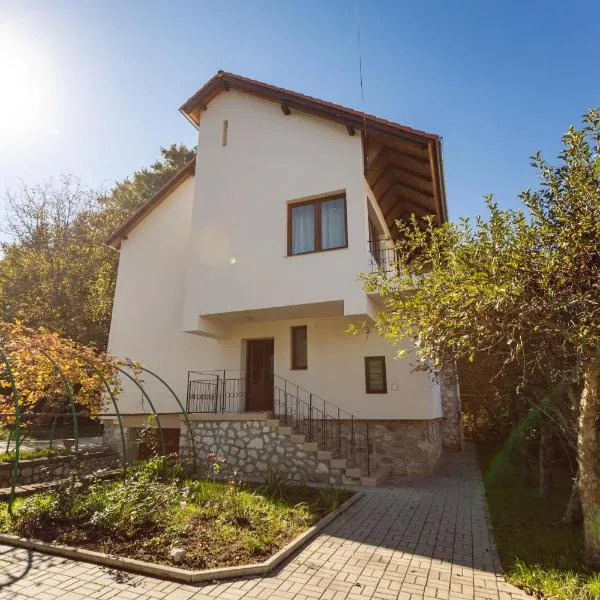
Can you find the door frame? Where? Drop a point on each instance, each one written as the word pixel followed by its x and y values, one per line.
pixel 247 342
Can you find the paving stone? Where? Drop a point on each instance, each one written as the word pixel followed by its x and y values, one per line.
pixel 417 539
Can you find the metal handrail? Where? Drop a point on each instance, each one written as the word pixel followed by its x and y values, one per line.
pixel 334 428
pixel 383 257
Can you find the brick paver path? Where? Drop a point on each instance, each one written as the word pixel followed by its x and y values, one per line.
pixel 425 538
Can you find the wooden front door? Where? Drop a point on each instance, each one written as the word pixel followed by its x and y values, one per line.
pixel 259 375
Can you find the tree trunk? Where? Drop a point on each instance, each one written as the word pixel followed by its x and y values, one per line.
pixel 545 458
pixel 588 458
pixel 526 460
pixel 573 515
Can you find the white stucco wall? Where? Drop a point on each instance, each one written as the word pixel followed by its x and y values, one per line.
pixel 175 265
pixel 146 320
pixel 240 210
pixel 336 370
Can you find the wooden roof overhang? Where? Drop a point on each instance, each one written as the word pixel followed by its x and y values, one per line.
pixel 402 165
pixel 406 177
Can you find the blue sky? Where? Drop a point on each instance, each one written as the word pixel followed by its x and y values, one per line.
pixel 92 88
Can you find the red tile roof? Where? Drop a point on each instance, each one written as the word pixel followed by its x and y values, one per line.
pixel 223 81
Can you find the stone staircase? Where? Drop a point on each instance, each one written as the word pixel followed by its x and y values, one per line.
pixel 336 469
pixel 257 445
pixel 333 437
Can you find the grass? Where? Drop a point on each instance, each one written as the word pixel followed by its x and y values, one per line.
pixel 539 553
pixel 154 509
pixel 34 453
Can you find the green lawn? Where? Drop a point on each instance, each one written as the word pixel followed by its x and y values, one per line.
pixel 538 552
pixel 35 453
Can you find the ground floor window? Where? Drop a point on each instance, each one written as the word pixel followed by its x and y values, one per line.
pixel 375 376
pixel 299 347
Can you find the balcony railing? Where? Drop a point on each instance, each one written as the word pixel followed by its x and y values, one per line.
pixel 383 256
pixel 334 429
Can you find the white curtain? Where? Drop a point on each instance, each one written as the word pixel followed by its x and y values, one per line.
pixel 333 224
pixel 303 228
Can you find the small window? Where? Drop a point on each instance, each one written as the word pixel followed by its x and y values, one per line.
pixel 299 347
pixel 225 133
pixel 375 376
pixel 317 225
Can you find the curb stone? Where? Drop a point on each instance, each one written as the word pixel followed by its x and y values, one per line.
pixel 174 573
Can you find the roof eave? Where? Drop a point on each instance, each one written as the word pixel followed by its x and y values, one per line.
pixel 189 169
pixel 223 81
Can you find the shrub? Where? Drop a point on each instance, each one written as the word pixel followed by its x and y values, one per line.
pixel 125 507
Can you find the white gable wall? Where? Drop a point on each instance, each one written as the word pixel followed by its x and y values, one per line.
pixel 146 320
pixel 240 210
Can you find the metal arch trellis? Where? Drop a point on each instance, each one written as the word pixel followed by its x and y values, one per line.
pixel 68 388
pixel 114 403
pixel 15 395
pixel 183 411
pixel 69 391
pixel 145 395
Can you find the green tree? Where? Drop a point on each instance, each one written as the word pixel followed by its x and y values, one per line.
pixel 523 284
pixel 55 270
pixel 128 195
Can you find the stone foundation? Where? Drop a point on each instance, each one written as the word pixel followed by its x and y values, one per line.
pixel 256 446
pixel 51 468
pixel 401 448
pixel 255 449
pixel 112 439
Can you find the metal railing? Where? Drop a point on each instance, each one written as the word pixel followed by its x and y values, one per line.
pixel 334 429
pixel 221 391
pixel 383 256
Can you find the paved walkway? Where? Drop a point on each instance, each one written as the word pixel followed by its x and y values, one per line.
pixel 426 538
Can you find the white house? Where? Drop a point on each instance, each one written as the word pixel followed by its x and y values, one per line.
pixel 238 279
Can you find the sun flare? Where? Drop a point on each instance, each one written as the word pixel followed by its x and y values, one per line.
pixel 25 85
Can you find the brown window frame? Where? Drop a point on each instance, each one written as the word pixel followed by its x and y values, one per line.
pixel 317 204
pixel 295 366
pixel 368 387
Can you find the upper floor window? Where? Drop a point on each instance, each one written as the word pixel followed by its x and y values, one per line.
pixel 316 225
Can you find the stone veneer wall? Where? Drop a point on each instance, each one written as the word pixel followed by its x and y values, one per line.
pixel 36 470
pixel 402 448
pixel 255 449
pixel 452 428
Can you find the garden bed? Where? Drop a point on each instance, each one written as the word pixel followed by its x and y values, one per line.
pixel 154 509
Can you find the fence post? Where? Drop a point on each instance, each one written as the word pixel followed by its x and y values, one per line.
pixel 187 400
pixel 339 428
pixel 352 437
pixel 368 452
pixel 310 419
pixel 324 426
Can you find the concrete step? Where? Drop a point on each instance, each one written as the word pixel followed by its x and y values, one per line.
pixel 272 422
pixel 353 472
pixel 324 455
pixel 338 463
pixel 311 446
pixel 285 430
pixel 368 481
pixel 353 481
pixel 298 439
